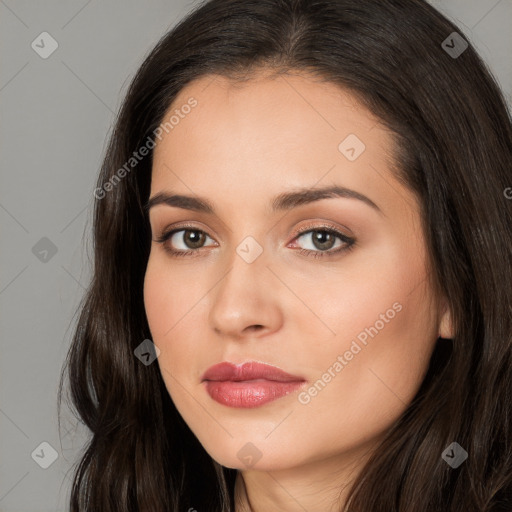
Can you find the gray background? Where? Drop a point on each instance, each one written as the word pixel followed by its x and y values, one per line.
pixel 56 114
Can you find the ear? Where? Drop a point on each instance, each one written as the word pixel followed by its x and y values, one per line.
pixel 446 322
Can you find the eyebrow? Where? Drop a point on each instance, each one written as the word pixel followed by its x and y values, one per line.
pixel 284 201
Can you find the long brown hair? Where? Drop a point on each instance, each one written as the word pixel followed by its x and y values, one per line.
pixel 454 139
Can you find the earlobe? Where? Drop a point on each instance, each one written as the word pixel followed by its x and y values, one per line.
pixel 446 322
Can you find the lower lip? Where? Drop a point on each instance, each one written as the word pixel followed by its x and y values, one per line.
pixel 249 394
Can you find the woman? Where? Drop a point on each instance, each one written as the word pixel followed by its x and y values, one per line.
pixel 301 296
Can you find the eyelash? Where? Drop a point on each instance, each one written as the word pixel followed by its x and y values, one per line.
pixel 350 242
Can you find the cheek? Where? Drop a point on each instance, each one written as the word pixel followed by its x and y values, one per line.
pixel 369 295
pixel 166 301
pixel 172 303
pixel 172 300
pixel 158 302
pixel 168 296
pixel 363 379
pixel 382 314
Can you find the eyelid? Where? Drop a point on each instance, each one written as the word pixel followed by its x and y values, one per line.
pixel 319 224
pixel 322 224
pixel 166 232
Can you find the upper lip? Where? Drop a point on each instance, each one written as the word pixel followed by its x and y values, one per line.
pixel 247 371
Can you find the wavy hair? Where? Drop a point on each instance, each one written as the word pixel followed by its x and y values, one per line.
pixel 453 132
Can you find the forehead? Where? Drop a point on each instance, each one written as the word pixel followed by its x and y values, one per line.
pixel 290 106
pixel 269 131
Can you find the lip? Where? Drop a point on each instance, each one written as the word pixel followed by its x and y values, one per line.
pixel 249 385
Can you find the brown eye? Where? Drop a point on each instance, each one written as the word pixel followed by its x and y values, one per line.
pixel 324 240
pixel 183 242
pixel 192 238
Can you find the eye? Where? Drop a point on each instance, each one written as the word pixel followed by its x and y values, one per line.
pixel 183 242
pixel 322 241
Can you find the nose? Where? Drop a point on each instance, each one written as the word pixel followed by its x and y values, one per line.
pixel 245 303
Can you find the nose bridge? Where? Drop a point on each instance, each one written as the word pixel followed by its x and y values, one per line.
pixel 245 274
pixel 242 297
pixel 247 257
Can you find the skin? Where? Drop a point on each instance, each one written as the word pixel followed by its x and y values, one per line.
pixel 239 147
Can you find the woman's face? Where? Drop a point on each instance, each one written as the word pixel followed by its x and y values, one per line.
pixel 332 290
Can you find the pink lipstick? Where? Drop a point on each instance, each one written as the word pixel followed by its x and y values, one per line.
pixel 249 385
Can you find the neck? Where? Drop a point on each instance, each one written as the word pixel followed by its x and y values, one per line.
pixel 320 486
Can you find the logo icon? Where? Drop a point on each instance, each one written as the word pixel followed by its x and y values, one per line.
pixel 249 249
pixel 45 455
pixel 44 45
pixel 147 352
pixel 454 455
pixel 44 250
pixel 351 147
pixel 249 454
pixel 454 45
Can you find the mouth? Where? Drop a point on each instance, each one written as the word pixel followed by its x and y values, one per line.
pixel 249 385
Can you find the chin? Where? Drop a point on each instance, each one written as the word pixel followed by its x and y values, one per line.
pixel 247 455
